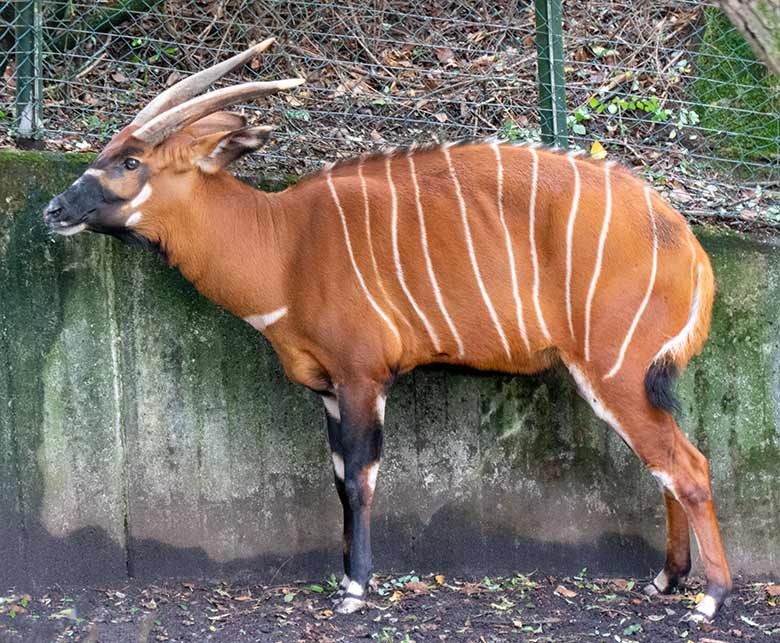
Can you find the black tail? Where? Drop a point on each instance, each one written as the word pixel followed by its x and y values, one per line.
pixel 659 384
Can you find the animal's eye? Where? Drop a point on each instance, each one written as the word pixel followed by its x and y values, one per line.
pixel 131 163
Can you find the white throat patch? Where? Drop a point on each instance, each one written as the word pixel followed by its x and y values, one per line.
pixel 263 321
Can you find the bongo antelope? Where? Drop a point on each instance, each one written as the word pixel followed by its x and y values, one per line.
pixel 487 255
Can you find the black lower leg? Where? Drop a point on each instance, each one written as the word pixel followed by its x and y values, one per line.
pixel 361 446
pixel 361 462
pixel 334 437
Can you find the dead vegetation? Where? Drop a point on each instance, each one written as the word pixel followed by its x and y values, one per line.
pixel 411 609
pixel 381 74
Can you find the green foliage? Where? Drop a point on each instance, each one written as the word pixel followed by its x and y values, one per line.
pixel 511 132
pixel 740 97
pixel 622 111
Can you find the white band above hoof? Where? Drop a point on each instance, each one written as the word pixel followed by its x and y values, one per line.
pixel 707 608
pixel 350 605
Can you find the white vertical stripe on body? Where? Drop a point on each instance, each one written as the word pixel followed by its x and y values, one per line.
pixel 648 292
pixel 599 257
pixel 532 240
pixel 371 300
pixel 380 282
pixel 510 252
pixel 472 255
pixel 397 257
pixel 598 406
pixel 677 344
pixel 429 263
pixel 575 203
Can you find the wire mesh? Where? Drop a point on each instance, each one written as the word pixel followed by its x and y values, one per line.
pixel 667 86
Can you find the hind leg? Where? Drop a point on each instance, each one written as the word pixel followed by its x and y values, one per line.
pixel 680 468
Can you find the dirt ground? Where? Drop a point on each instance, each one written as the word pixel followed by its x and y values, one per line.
pixel 405 609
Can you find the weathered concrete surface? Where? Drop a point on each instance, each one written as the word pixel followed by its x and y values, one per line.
pixel 145 431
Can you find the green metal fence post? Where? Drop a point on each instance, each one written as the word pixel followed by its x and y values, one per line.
pixel 29 81
pixel 552 89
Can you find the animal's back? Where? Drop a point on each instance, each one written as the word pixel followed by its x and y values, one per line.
pixel 501 256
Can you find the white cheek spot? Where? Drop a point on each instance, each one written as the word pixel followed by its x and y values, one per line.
pixel 338 465
pixel 66 232
pixel 332 407
pixel 708 606
pixel 586 390
pixel 371 473
pixel 381 399
pixel 354 589
pixel 133 219
pixel 142 196
pixel 263 321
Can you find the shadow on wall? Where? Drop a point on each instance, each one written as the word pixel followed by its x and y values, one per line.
pixel 88 556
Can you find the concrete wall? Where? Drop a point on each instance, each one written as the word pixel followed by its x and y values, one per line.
pixel 145 431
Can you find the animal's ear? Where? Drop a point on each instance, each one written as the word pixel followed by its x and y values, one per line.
pixel 216 122
pixel 215 151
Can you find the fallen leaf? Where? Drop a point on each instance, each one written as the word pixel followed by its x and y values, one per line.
pixel 565 592
pixel 440 579
pixel 597 151
pixel 773 590
pixel 441 117
pixel 471 588
pixel 173 78
pixel 395 597
pixel 581 54
pixel 618 584
pixel 680 196
pixel 417 586
pixel 444 54
pixel 749 621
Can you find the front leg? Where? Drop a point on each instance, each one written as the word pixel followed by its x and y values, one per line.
pixel 355 434
pixel 333 418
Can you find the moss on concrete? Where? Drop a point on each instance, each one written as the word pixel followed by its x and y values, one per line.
pixel 133 399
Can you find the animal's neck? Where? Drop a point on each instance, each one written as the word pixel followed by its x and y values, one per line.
pixel 229 246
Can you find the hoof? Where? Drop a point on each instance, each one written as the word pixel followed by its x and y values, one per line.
pixel 651 590
pixel 696 617
pixel 350 605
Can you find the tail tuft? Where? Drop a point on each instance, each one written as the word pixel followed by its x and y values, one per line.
pixel 659 384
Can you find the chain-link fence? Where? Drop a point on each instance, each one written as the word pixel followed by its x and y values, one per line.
pixel 667 86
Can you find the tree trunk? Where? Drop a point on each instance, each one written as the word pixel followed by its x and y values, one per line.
pixel 759 23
